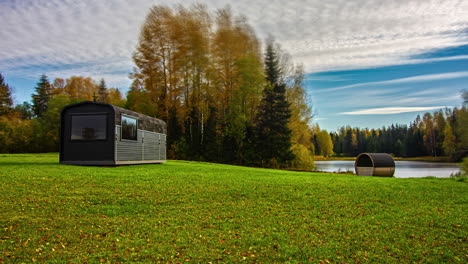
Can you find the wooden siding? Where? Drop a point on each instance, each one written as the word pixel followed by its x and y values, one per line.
pixel 149 146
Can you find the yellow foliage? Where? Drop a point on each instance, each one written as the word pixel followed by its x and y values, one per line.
pixel 304 159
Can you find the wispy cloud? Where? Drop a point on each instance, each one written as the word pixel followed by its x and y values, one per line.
pixel 95 38
pixel 326 78
pixel 378 98
pixel 323 35
pixel 391 110
pixel 414 79
pixel 360 34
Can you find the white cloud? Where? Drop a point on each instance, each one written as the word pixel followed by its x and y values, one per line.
pixel 358 34
pixel 324 35
pixel 391 110
pixel 72 35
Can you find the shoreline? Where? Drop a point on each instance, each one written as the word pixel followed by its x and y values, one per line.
pixel 442 159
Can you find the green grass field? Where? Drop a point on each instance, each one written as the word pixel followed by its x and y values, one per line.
pixel 199 212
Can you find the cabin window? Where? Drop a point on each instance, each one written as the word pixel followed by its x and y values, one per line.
pixel 89 127
pixel 129 128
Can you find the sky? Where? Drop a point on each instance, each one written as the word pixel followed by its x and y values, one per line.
pixel 368 63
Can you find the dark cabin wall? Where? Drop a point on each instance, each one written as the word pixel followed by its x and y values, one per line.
pixel 98 150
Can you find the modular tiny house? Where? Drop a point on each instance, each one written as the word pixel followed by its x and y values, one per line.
pixel 102 134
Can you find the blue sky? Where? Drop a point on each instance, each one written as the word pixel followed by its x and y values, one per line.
pixel 368 63
pixel 380 96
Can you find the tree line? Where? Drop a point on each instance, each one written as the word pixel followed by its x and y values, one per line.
pixel 224 99
pixel 441 133
pixel 34 126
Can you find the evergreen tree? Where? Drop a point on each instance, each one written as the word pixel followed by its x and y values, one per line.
pixel 272 65
pixel 102 92
pixel 175 141
pixel 42 96
pixel 6 102
pixel 210 138
pixel 273 135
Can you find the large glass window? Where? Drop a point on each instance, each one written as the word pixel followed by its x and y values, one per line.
pixel 129 128
pixel 89 127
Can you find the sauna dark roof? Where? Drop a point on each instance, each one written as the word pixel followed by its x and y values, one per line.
pixel 377 160
pixel 145 122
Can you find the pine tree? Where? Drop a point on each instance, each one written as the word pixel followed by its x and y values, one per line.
pixel 273 135
pixel 102 92
pixel 42 96
pixel 272 65
pixel 6 102
pixel 211 138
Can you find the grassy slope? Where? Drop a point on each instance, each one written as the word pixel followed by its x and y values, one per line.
pixel 199 212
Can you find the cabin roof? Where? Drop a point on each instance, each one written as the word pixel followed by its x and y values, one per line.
pixel 145 122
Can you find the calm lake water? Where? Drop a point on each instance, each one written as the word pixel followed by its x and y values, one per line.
pixel 403 169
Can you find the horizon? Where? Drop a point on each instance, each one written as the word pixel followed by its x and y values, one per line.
pixel 367 65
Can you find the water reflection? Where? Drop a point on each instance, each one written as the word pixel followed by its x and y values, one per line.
pixel 404 169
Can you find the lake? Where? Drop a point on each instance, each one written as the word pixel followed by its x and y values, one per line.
pixel 403 169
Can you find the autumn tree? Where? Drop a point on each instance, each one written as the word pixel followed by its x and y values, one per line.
pixel 155 60
pixel 238 77
pixel 428 128
pixel 449 144
pixel 58 86
pixel 299 123
pixel 80 88
pixel 115 97
pixel 171 60
pixel 323 142
pixel 6 101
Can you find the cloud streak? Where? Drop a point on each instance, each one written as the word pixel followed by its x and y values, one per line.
pixel 323 35
pixel 391 110
pixel 407 80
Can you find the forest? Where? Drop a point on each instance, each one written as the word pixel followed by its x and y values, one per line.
pixel 224 98
pixel 441 133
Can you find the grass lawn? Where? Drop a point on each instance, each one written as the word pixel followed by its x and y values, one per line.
pixel 199 212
